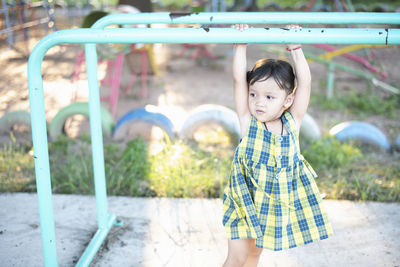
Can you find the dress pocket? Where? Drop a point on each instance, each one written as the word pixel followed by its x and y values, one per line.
pixel 308 168
pixel 270 184
pixel 283 185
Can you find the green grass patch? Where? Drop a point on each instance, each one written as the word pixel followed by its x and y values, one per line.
pixel 330 153
pixel 125 169
pixel 368 178
pixel 363 104
pixel 16 168
pixel 352 171
pixel 195 169
pixel 181 169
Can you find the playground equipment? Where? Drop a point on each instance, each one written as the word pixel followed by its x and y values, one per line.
pixel 114 55
pixel 361 131
pixel 333 65
pixel 333 52
pixel 18 117
pixel 309 128
pixel 18 9
pixel 228 119
pixel 331 73
pixel 97 34
pixel 56 126
pixel 150 114
pixel 208 114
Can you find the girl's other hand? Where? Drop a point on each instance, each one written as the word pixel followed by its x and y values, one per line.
pixel 241 27
pixel 293 26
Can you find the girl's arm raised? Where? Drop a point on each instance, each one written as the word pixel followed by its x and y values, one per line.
pixel 240 88
pixel 239 71
pixel 303 76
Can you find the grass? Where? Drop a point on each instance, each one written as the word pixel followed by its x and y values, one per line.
pixel 184 170
pixel 16 168
pixel 363 104
pixel 368 178
pixel 195 169
pixel 72 167
pixel 354 171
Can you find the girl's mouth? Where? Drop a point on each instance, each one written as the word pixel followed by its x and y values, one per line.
pixel 258 111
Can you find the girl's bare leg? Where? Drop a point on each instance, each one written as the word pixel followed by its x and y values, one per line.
pixel 254 255
pixel 238 251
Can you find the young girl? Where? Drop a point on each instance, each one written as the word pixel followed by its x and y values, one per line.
pixel 271 200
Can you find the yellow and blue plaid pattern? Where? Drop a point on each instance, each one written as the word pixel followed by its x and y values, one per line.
pixel 272 195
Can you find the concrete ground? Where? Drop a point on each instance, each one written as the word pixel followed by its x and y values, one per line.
pixel 187 232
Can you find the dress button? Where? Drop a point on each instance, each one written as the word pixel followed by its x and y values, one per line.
pixel 279 157
pixel 280 139
pixel 277 176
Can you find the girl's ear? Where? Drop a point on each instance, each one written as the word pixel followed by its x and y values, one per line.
pixel 288 101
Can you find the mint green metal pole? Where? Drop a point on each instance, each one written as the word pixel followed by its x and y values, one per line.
pixel 96 242
pixel 35 82
pixel 229 35
pixel 97 136
pixel 251 18
pixel 41 154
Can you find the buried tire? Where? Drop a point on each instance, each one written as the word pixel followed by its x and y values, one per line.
pixel 204 114
pixel 229 120
pixel 13 118
pixel 78 108
pixel 149 114
pixel 309 128
pixel 360 131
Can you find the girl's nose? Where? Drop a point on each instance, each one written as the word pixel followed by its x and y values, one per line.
pixel 259 101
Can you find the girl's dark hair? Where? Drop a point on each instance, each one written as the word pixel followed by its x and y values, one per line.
pixel 280 70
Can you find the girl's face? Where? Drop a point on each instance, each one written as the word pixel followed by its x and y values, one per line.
pixel 267 101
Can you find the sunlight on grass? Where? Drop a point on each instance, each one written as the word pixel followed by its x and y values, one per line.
pixel 16 168
pixel 186 168
pixel 212 134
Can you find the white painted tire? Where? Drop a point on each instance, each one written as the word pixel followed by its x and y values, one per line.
pixel 210 113
pixel 14 118
pixel 229 120
pixel 360 131
pixel 396 144
pixel 309 128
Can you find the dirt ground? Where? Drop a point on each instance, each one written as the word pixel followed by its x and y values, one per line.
pixel 187 232
pixel 182 83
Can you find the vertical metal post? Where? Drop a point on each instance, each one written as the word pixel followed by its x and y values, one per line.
pixel 50 14
pixel 96 135
pixel 330 81
pixel 41 157
pixel 8 25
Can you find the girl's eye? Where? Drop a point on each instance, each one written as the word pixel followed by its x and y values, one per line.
pixel 252 94
pixel 269 97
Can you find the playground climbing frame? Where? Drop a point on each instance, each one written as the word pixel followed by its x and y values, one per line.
pixel 97 34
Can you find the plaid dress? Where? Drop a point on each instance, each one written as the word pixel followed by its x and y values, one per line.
pixel 272 195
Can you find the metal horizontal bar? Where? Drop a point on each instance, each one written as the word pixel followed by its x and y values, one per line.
pixel 30 24
pixel 251 18
pixel 225 35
